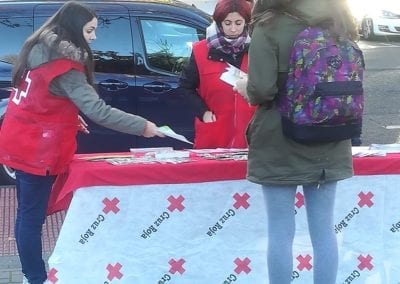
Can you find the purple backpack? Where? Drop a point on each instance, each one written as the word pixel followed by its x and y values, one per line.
pixel 323 100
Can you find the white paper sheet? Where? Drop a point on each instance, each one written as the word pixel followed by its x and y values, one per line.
pixel 232 75
pixel 167 131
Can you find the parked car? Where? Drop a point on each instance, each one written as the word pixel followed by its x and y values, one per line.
pixel 377 18
pixel 140 49
pixel 207 6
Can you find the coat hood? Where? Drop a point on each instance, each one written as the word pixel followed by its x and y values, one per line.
pixel 315 11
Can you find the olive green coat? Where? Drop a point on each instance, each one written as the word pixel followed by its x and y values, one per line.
pixel 273 158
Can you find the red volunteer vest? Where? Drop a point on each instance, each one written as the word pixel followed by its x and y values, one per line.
pixel 38 132
pixel 232 112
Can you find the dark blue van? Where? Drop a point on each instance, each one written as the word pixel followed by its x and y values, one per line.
pixel 140 48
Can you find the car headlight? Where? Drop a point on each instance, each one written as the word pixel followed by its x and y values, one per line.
pixel 389 15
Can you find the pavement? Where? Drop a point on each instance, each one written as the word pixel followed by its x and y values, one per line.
pixel 10 267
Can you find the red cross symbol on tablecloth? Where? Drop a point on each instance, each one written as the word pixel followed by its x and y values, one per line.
pixel 304 262
pixel 110 205
pixel 176 266
pixel 51 275
pixel 114 271
pixel 365 262
pixel 242 265
pixel 176 203
pixel 241 200
pixel 365 199
pixel 300 200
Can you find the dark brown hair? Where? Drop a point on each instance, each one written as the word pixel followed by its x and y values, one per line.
pixel 67 23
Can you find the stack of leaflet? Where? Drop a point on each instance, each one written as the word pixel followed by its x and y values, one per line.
pixel 375 150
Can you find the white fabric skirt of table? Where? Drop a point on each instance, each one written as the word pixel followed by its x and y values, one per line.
pixel 216 232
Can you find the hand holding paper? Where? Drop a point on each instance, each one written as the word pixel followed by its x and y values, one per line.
pixel 241 86
pixel 237 79
pixel 151 130
pixel 167 131
pixel 232 75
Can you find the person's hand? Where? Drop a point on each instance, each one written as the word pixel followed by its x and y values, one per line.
pixel 82 125
pixel 241 86
pixel 151 130
pixel 209 116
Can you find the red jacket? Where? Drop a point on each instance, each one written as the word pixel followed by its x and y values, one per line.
pixel 232 112
pixel 38 132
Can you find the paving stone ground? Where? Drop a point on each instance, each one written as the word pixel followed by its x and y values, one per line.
pixel 10 268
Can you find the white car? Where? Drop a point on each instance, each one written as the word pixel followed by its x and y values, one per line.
pixel 377 18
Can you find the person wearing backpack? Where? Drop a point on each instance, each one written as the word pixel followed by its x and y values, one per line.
pixel 280 163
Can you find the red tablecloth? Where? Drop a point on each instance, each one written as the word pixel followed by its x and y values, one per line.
pixel 84 173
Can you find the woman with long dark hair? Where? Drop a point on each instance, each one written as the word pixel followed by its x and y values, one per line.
pixel 53 81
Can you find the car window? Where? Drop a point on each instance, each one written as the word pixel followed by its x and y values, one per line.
pixel 14 32
pixel 168 45
pixel 112 51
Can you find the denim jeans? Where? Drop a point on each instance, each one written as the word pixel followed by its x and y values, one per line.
pixel 33 194
pixel 319 205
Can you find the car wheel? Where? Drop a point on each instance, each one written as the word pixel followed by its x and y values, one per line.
pixel 367 29
pixel 7 175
